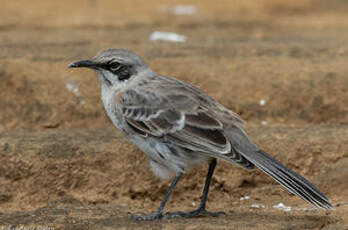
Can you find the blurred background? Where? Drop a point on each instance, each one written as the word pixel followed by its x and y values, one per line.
pixel 281 65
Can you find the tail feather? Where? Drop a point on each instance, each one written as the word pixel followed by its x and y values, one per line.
pixel 283 175
pixel 289 179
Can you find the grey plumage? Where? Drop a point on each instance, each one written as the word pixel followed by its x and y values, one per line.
pixel 178 125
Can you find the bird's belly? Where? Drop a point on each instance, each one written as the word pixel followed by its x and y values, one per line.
pixel 166 158
pixel 148 146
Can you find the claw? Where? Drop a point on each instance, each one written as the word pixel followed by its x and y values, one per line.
pixel 153 216
pixel 194 213
pixel 171 215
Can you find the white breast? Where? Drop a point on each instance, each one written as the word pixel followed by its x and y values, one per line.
pixel 107 96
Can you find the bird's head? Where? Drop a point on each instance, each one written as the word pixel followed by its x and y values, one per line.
pixel 114 66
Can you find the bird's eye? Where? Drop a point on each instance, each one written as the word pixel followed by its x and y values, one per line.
pixel 123 72
pixel 114 66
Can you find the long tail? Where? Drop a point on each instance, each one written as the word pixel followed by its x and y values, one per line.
pixel 283 175
pixel 289 179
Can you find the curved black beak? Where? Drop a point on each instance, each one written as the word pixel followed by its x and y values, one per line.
pixel 84 63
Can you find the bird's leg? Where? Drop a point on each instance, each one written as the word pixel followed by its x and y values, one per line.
pixel 158 214
pixel 201 209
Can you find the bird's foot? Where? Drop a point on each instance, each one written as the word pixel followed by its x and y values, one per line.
pixel 152 216
pixel 194 213
pixel 171 215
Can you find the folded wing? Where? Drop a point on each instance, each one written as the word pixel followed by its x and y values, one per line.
pixel 185 122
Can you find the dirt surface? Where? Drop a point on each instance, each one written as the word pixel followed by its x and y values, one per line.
pixel 281 66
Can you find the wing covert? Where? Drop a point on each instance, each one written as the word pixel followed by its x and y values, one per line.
pixel 184 122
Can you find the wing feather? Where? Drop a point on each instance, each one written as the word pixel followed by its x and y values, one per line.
pixel 182 115
pixel 191 127
pixel 203 120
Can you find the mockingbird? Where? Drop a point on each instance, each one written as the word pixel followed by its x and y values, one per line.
pixel 179 126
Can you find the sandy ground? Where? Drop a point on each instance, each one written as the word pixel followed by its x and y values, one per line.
pixel 63 165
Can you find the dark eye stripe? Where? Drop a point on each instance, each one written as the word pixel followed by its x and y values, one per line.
pixel 102 65
pixel 123 72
